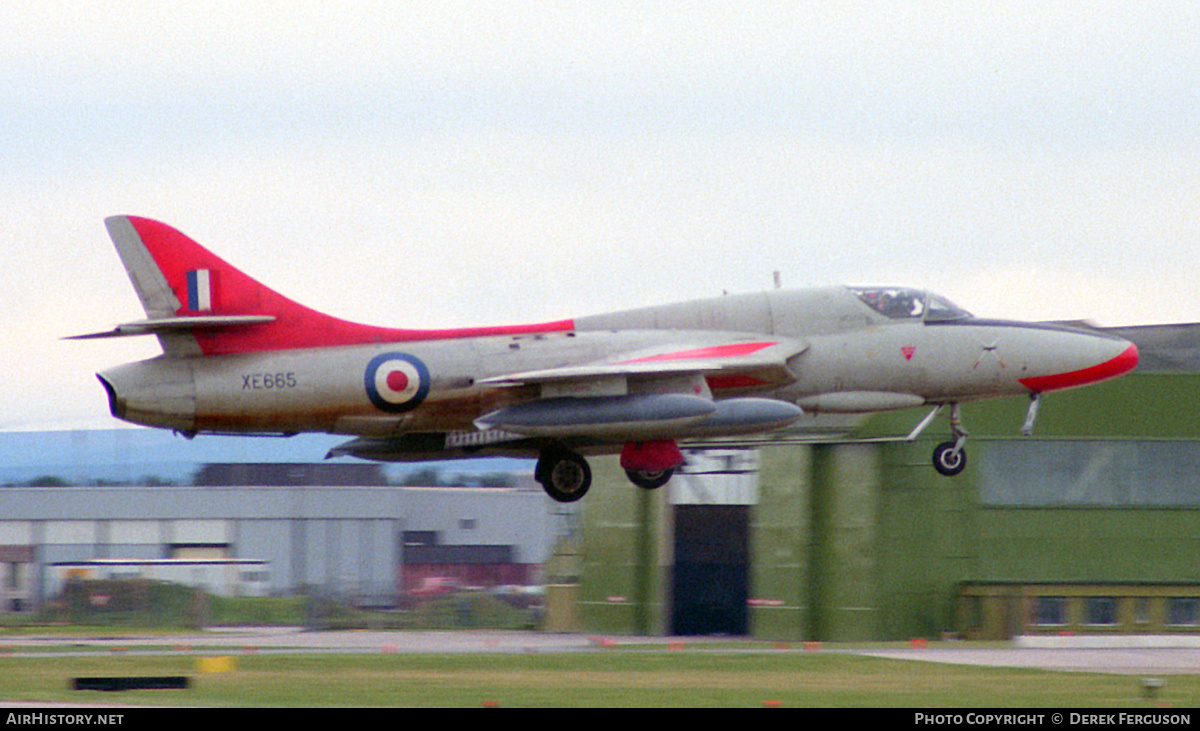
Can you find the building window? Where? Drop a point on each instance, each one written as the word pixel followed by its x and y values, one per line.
pixel 1183 610
pixel 466 523
pixel 1050 610
pixel 1101 610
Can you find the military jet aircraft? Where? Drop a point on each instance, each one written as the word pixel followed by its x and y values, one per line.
pixel 239 358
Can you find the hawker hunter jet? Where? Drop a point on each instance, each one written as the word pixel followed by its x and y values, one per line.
pixel 239 358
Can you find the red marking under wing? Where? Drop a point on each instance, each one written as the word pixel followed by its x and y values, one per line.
pixel 651 456
pixel 1123 363
pixel 735 380
pixel 295 325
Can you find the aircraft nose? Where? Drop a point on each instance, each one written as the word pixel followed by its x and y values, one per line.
pixel 1109 357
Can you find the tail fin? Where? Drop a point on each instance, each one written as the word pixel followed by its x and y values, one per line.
pixel 199 304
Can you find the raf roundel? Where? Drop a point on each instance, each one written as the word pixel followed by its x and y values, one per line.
pixel 396 382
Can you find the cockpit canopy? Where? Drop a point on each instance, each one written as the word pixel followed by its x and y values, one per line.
pixel 901 303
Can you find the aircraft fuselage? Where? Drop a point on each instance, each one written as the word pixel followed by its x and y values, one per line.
pixel 855 361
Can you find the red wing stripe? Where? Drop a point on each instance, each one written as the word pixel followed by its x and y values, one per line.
pixel 716 351
pixel 736 380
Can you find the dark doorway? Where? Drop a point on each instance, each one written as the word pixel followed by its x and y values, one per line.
pixel 711 582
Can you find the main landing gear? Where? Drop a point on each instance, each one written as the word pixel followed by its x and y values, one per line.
pixel 566 476
pixel 649 465
pixel 649 479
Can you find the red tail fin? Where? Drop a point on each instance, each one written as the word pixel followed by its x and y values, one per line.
pixel 181 279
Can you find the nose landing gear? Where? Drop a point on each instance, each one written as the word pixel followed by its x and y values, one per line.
pixel 950 458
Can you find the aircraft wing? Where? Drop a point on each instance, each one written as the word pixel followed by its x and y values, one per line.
pixel 739 364
pixel 664 391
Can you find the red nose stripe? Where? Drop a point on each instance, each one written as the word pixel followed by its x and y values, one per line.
pixel 1123 363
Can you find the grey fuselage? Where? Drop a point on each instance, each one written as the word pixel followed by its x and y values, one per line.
pixel 851 358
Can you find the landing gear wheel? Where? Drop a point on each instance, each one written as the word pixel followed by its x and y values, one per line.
pixel 949 458
pixel 565 476
pixel 649 480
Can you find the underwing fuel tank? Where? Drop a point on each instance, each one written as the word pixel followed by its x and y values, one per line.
pixel 642 416
pixel 160 392
pixel 852 402
pixel 745 416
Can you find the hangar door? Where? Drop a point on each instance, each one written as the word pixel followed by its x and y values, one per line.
pixel 712 497
pixel 711 583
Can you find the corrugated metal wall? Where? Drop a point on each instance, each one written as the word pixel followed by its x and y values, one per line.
pixel 345 540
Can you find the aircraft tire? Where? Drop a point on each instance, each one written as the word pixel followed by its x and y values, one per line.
pixel 564 475
pixel 649 480
pixel 947 460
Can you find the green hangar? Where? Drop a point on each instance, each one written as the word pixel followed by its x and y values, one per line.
pixel 1090 526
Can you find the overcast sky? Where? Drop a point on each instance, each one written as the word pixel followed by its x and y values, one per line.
pixel 445 164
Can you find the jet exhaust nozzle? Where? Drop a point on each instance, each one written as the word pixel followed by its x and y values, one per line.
pixel 160 392
pixel 116 406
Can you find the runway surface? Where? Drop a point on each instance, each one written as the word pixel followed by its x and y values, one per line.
pixel 1157 661
pixel 1168 657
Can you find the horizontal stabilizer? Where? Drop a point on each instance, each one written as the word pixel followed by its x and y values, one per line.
pixel 161 325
